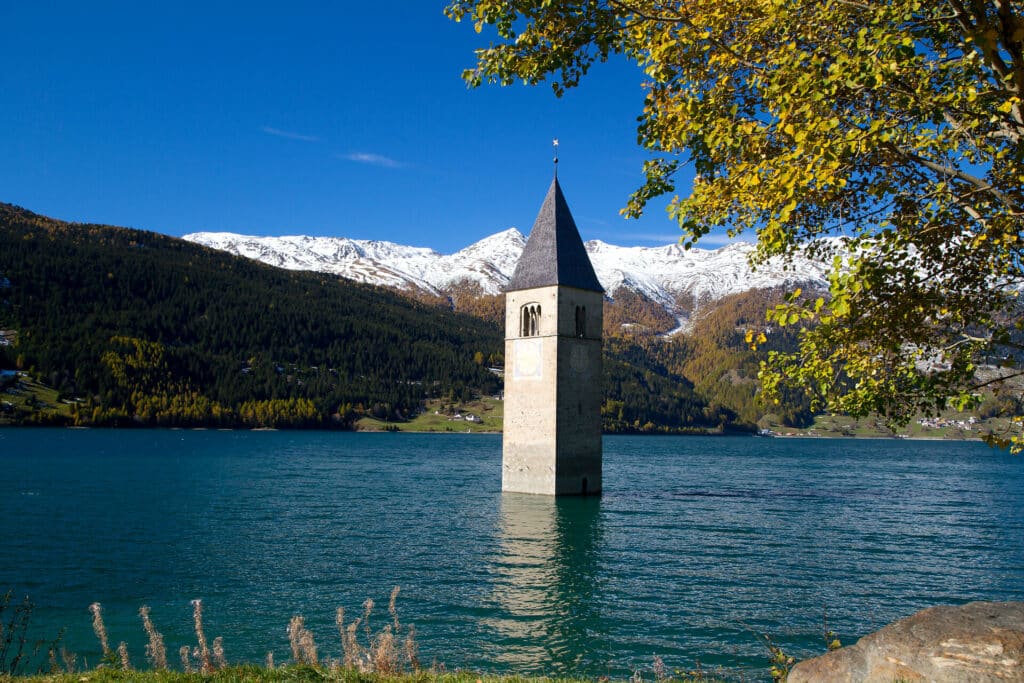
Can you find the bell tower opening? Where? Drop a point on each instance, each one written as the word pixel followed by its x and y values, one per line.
pixel 581 321
pixel 529 320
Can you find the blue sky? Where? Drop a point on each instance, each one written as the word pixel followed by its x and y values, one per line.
pixel 325 118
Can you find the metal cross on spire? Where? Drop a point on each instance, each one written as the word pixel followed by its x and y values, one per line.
pixel 555 144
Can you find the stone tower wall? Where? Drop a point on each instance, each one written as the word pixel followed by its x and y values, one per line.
pixel 580 394
pixel 552 436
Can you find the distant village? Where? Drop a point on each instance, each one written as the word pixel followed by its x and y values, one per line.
pixel 468 417
pixel 944 423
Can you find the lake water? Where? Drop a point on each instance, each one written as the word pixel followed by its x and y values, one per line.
pixel 697 545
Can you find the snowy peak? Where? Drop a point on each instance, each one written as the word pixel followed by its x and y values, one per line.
pixel 303 248
pixel 669 275
pixel 370 261
pixel 666 273
pixel 501 249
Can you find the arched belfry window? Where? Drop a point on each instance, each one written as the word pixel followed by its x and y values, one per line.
pixel 581 321
pixel 529 320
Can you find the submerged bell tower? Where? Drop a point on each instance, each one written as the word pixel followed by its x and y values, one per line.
pixel 553 320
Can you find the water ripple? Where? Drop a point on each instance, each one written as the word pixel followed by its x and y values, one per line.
pixel 697 547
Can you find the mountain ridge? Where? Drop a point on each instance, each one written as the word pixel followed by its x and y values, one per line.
pixel 118 326
pixel 131 327
pixel 676 279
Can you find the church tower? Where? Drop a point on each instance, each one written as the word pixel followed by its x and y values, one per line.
pixel 553 319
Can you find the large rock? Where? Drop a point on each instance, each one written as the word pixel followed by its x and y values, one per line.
pixel 973 643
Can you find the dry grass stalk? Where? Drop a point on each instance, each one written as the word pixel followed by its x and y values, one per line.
pixel 122 653
pixel 70 659
pixel 367 609
pixel 412 649
pixel 156 653
pixel 301 640
pixel 391 606
pixel 349 646
pixel 339 621
pixel 294 626
pixel 660 673
pixel 383 654
pixel 99 628
pixel 186 661
pixel 206 666
pixel 353 652
pixel 218 652
pixel 308 647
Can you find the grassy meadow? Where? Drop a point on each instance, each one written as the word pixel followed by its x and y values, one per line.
pixel 445 416
pixel 24 394
pixel 951 425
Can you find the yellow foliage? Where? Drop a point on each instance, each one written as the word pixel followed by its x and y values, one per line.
pixel 893 127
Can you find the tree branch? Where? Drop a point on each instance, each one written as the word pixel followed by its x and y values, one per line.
pixel 951 172
pixel 1011 39
pixel 974 23
pixel 997 380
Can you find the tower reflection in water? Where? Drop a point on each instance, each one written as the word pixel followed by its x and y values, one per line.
pixel 545 616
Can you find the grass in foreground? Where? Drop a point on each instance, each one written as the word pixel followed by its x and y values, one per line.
pixel 388 654
pixel 249 673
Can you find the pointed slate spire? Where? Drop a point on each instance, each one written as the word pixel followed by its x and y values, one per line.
pixel 554 252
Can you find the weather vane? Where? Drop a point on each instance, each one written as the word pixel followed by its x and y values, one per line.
pixel 555 144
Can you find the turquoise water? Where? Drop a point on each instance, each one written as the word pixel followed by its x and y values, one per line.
pixel 696 546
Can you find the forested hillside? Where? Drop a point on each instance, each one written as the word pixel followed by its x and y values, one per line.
pixel 705 377
pixel 144 328
pixel 715 355
pixel 136 328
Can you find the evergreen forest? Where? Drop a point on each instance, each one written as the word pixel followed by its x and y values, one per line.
pixel 134 328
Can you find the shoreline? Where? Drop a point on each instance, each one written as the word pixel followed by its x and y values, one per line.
pixel 859 437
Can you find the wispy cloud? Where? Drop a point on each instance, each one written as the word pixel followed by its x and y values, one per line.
pixel 287 134
pixel 372 159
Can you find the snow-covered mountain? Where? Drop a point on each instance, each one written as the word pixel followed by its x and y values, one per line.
pixel 488 263
pixel 671 276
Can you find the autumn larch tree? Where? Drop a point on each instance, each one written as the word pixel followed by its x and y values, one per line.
pixel 884 137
